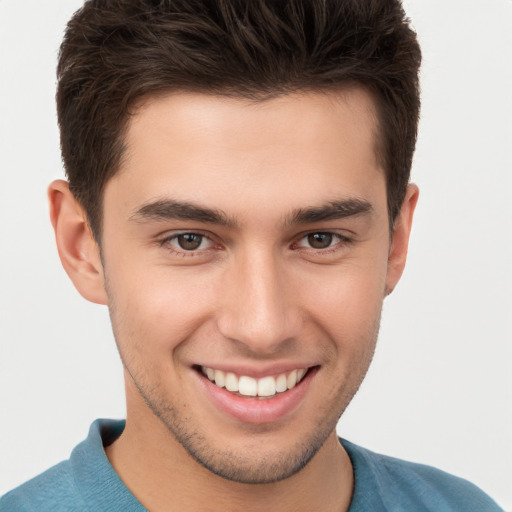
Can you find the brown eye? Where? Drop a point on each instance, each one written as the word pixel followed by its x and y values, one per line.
pixel 320 240
pixel 189 241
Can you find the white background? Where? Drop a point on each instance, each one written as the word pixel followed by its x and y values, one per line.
pixel 440 389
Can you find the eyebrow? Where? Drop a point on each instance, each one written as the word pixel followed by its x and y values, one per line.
pixel 168 209
pixel 333 210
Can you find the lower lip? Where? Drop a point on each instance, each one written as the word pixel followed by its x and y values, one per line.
pixel 255 410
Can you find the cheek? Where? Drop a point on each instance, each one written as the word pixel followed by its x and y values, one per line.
pixel 154 311
pixel 346 304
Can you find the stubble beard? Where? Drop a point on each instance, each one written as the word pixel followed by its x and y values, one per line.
pixel 251 468
pixel 246 468
pixel 264 467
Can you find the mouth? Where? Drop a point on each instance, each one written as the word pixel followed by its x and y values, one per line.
pixel 264 387
pixel 252 400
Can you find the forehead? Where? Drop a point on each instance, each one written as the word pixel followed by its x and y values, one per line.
pixel 222 151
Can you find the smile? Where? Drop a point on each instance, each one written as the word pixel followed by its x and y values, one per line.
pixel 249 386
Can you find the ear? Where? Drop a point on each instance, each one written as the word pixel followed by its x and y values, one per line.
pixel 400 238
pixel 78 251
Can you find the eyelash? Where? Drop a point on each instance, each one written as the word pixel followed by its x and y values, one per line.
pixel 338 241
pixel 167 243
pixel 333 247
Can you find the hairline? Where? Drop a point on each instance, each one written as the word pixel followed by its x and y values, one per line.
pixel 255 97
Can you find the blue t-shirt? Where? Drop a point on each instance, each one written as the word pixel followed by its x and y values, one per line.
pixel 87 482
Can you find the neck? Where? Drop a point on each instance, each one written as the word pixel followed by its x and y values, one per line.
pixel 164 477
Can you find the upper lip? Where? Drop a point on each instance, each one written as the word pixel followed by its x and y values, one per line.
pixel 257 371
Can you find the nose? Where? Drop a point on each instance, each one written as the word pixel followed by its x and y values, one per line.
pixel 260 309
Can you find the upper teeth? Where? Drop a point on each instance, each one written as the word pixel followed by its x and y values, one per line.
pixel 248 386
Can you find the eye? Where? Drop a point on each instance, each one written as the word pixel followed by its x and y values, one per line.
pixel 188 242
pixel 320 240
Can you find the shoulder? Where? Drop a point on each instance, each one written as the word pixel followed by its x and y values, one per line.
pixel 54 490
pixel 86 481
pixel 388 483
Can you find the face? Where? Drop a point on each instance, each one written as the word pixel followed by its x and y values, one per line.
pixel 246 256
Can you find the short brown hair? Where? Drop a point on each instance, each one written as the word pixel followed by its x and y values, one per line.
pixel 117 51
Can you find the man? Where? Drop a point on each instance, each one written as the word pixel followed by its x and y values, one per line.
pixel 238 196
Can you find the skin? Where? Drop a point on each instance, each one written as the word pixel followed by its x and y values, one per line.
pixel 254 296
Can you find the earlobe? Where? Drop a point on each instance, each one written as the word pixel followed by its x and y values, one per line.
pixel 78 250
pixel 400 238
